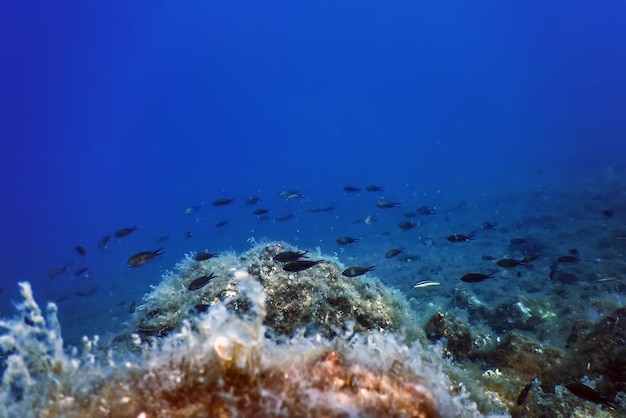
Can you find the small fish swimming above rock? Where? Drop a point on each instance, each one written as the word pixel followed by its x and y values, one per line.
pixel 200 282
pixel 374 188
pixel 222 202
pixel 406 226
pixel 102 244
pixel 81 271
pixel 287 256
pixel 261 211
pixel 475 277
pixel 346 240
pixel 490 226
pixel 300 265
pixel 385 204
pixel 568 259
pixel 143 257
pixel 524 393
pixel 460 237
pixel 426 210
pixel 132 308
pixel 356 271
pixel 204 256
pixel 589 394
pixel 351 189
pixel 122 232
pixel 81 250
pixel 393 252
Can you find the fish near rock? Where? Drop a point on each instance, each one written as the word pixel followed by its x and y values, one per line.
pixel 200 282
pixel 346 240
pixel 460 237
pixel 393 252
pixel 476 277
pixel 287 256
pixel 356 271
pixel 300 265
pixel 202 256
pixel 143 257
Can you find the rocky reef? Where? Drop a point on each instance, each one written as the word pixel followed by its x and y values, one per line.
pixel 255 341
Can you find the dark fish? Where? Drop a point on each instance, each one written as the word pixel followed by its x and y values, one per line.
pixel 143 257
pixel 351 189
pixel 589 394
pixel 87 293
pixel 374 188
pixel 162 238
pixel 568 259
pixel 524 393
pixel 322 209
pixel 393 252
pixel 132 308
pixel 573 251
pixel 204 256
pixel 346 240
pixel 285 217
pixel 222 202
pixel 518 241
pixel 220 224
pixel 81 271
pixel 608 213
pixel 356 271
pixel 510 262
pixel 475 277
pixel 554 269
pixel 488 258
pixel 385 204
pixel 200 282
pixel 410 214
pixel 201 307
pixel 299 265
pixel 490 226
pixel 121 233
pixel 406 226
pixel 287 256
pixel 61 270
pixel 425 210
pixel 291 195
pixel 81 250
pixel 102 244
pixel 460 237
pixel 252 200
pixel 188 235
pixel 261 211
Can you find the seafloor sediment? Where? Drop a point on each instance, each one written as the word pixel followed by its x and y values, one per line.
pixel 260 341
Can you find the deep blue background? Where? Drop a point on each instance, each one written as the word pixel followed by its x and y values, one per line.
pixel 118 113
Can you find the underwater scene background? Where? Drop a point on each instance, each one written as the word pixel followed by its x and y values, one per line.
pixel 161 158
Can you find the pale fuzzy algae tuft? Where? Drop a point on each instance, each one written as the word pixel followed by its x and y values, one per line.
pixel 225 362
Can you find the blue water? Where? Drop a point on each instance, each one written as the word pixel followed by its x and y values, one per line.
pixel 114 114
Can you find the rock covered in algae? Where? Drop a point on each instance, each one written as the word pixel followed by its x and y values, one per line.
pixel 223 363
pixel 318 299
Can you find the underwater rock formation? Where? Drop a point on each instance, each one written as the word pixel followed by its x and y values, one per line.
pixel 236 358
pixel 319 299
